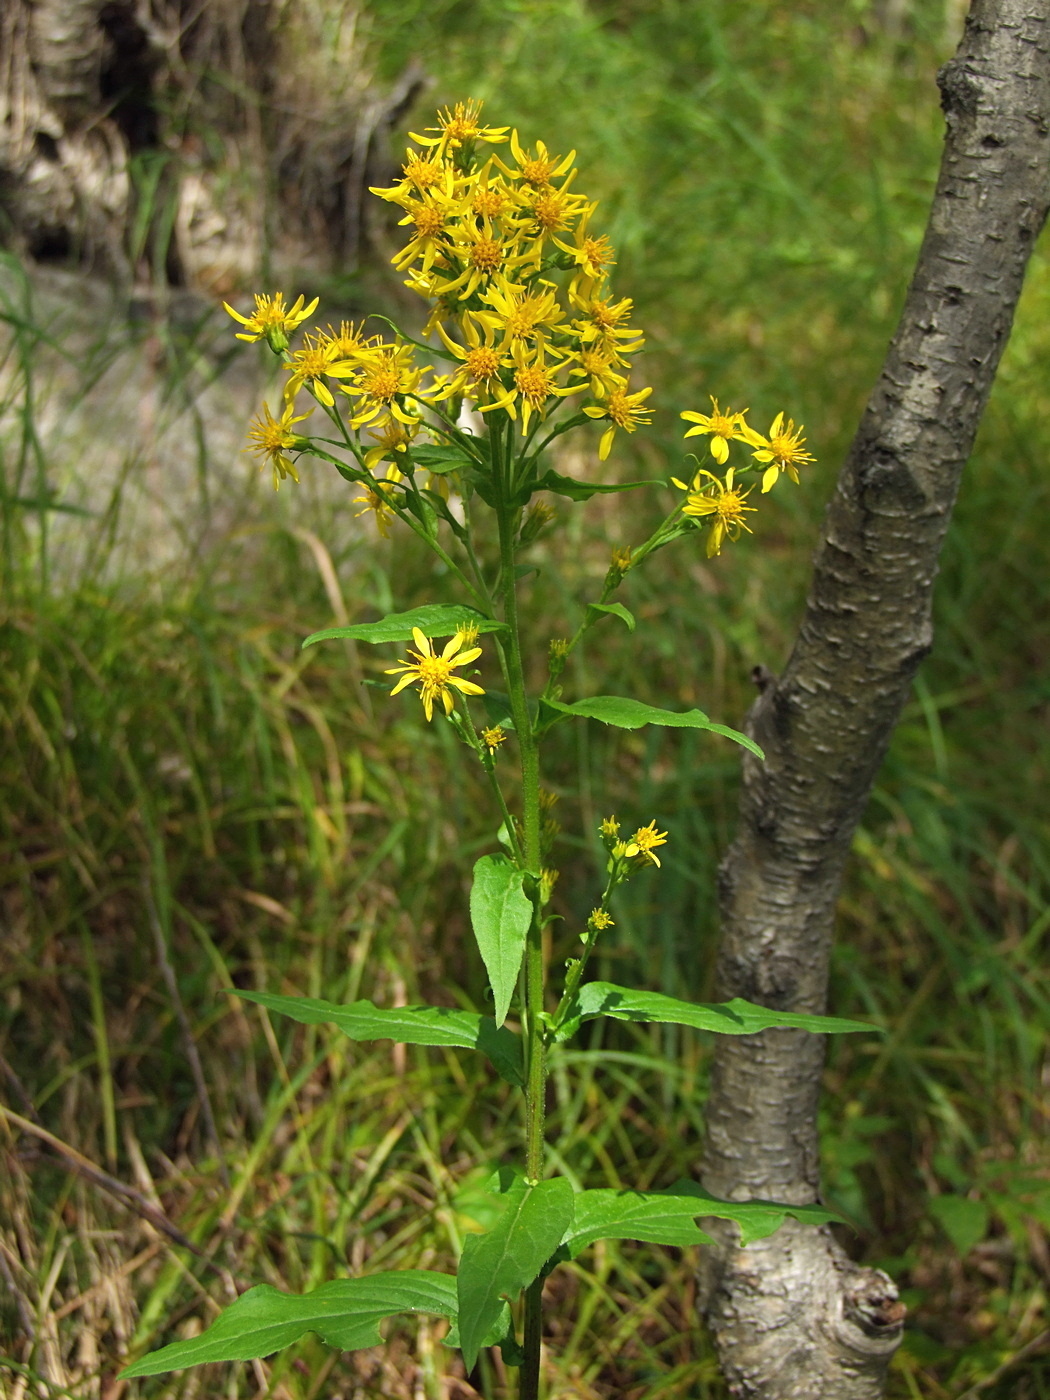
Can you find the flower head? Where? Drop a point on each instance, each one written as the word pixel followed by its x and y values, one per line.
pixel 460 126
pixel 782 449
pixel 273 437
pixel 598 920
pixel 318 357
pixel 272 320
pixel 724 501
pixel 433 673
pixel 643 841
pixel 621 410
pixel 377 497
pixel 723 427
pixel 492 738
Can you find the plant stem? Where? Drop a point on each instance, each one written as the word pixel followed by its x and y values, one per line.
pixel 534 969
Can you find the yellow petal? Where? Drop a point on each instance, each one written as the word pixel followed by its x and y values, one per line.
pixel 422 643
pixel 605 446
pixel 719 449
pixel 769 477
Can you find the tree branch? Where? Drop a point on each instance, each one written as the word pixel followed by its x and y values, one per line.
pixel 793 1317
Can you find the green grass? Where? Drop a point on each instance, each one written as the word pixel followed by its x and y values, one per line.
pixel 181 786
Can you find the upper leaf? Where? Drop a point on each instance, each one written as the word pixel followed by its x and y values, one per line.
pixel 617 610
pixel 669 1217
pixel 345 1313
pixel 409 1025
pixel 632 714
pixel 583 490
pixel 441 458
pixel 500 913
pixel 499 1264
pixel 736 1017
pixel 654 1217
pixel 433 620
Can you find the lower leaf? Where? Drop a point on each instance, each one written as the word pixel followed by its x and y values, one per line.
pixel 345 1313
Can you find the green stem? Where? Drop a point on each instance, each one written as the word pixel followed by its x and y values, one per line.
pixel 503 465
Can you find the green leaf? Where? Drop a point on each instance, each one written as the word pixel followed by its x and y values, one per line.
pixel 433 620
pixel 654 1217
pixel 756 1219
pixel 736 1017
pixel 345 1314
pixel 583 490
pixel 617 610
pixel 632 714
pixel 500 1334
pixel 498 1265
pixel 965 1222
pixel 440 460
pixel 408 1025
pixel 500 912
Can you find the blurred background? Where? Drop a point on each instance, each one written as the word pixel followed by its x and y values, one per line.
pixel 189 803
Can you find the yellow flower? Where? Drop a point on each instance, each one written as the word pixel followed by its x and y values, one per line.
pixel 610 829
pixel 272 319
pixel 349 341
pixel 318 357
pixel 605 321
pixel 383 380
pixel 519 315
pixel 534 383
pixel 596 363
pixel 482 362
pixel 782 449
pixel 643 841
pixel 459 127
pixel 599 919
pixel 622 410
pixel 390 436
pixel 376 498
pixel 537 170
pixel 433 673
pixel 724 428
pixel 724 501
pixel 492 738
pixel 421 174
pixel 432 217
pixel 592 256
pixel 273 438
pixel 483 253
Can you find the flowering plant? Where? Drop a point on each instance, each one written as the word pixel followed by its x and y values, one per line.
pixel 527 344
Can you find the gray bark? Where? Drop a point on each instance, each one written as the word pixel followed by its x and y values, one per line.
pixel 112 123
pixel 793 1317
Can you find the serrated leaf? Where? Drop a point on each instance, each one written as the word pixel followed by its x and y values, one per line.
pixel 345 1313
pixel 583 490
pixel 632 714
pixel 736 1017
pixel 617 610
pixel 500 913
pixel 756 1219
pixel 408 1025
pixel 433 620
pixel 497 1266
pixel 653 1217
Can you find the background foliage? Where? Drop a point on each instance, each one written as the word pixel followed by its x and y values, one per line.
pixel 188 803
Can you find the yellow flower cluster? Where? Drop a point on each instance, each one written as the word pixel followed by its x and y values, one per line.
pixel 502 246
pixel 722 502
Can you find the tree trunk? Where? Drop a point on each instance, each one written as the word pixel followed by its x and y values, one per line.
pixel 792 1316
pixel 121 149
